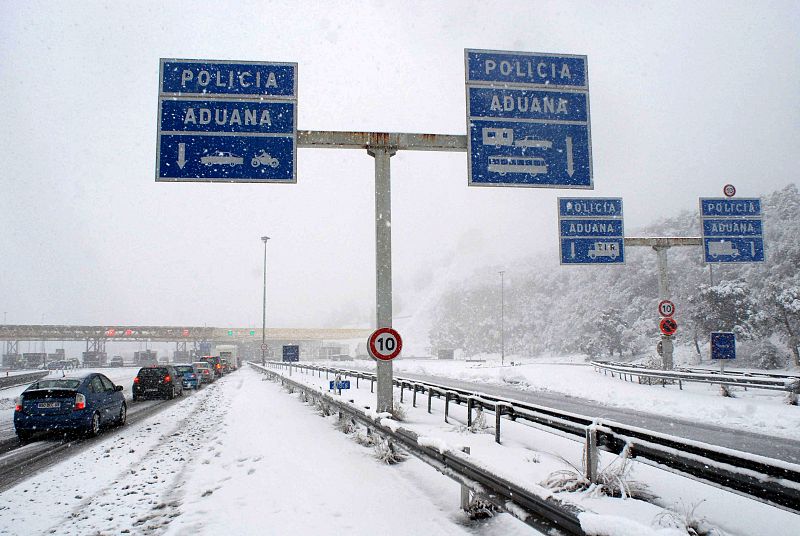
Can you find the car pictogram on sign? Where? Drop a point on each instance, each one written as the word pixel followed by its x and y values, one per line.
pixel 668 326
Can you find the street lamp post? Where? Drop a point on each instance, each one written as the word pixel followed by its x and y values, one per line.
pixel 502 320
pixel 264 308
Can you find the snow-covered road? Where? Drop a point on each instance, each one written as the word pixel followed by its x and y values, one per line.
pixel 239 457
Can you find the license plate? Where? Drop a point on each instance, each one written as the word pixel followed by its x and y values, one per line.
pixel 151 390
pixel 45 405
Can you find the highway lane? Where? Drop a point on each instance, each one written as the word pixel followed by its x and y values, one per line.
pixel 763 445
pixel 19 461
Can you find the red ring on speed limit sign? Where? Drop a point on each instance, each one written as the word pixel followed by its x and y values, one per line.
pixel 729 190
pixel 385 348
pixel 666 308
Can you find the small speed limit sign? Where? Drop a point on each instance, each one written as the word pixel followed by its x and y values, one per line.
pixel 666 308
pixel 729 190
pixel 385 344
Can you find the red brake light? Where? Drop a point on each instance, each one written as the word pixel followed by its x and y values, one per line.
pixel 136 379
pixel 167 378
pixel 80 401
pixel 218 365
pixel 18 405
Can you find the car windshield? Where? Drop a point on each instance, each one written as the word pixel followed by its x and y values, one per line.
pixel 62 383
pixel 156 371
pixel 184 368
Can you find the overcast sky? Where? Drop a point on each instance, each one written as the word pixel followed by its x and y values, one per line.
pixel 685 97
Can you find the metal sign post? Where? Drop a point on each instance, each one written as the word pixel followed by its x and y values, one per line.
pixel 382 146
pixel 661 245
pixel 383 266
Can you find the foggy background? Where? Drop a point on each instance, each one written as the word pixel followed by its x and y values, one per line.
pixel 684 99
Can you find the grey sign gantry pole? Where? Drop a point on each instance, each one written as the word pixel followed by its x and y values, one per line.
pixel 382 146
pixel 661 245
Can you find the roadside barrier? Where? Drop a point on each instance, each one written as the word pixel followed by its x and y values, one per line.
pixel 542 512
pixel 771 481
pixel 627 371
pixel 21 379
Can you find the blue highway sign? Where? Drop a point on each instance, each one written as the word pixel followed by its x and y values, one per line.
pixel 723 345
pixel 228 78
pixel 291 353
pixel 732 230
pixel 591 231
pixel 345 384
pixel 528 120
pixel 227 121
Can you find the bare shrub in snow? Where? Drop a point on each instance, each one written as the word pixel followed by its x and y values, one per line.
pixel 726 391
pixel 398 410
pixel 687 520
pixel 533 458
pixel 366 439
pixel 479 424
pixel 791 398
pixel 386 452
pixel 323 407
pixel 612 481
pixel 346 425
pixel 480 509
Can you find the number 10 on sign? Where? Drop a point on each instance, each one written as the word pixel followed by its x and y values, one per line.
pixel 385 344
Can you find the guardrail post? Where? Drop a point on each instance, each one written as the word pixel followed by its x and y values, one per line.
pixel 414 397
pixel 446 405
pixel 466 494
pixel 357 377
pixel 372 385
pixel 430 396
pixel 469 412
pixel 402 386
pixel 498 413
pixel 590 454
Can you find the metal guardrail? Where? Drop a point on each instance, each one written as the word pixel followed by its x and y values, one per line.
pixel 767 480
pixel 21 379
pixel 790 384
pixel 542 512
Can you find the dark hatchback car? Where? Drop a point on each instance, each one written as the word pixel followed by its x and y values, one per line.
pixel 72 403
pixel 161 381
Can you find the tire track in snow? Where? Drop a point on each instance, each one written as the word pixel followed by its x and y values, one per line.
pixel 147 494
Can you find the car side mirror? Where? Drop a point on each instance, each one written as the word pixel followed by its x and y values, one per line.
pixel 118 388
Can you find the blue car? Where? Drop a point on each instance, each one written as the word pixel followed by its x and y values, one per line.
pixel 81 403
pixel 191 378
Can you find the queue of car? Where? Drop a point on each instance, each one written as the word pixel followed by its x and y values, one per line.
pixel 84 402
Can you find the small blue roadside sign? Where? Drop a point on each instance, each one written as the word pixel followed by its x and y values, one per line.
pixel 342 384
pixel 723 345
pixel 732 230
pixel 591 230
pixel 221 121
pixel 528 120
pixel 291 353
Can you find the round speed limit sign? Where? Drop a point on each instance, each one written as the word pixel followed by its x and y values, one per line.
pixel 666 308
pixel 384 344
pixel 729 190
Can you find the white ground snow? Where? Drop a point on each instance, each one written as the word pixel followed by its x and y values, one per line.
pixel 239 457
pixel 528 456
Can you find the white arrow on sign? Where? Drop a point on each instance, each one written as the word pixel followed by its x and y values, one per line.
pixel 570 163
pixel 181 155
